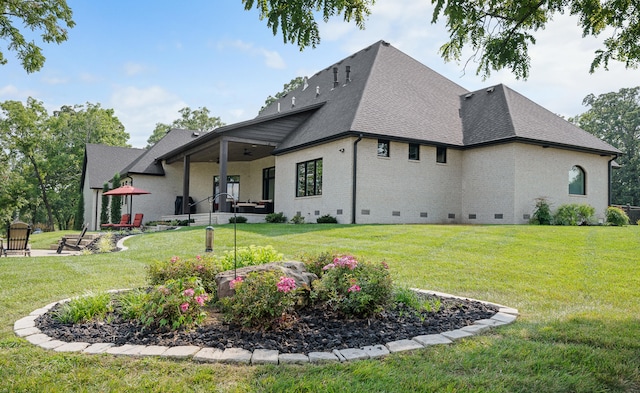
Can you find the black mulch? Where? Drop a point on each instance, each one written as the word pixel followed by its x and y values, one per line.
pixel 311 330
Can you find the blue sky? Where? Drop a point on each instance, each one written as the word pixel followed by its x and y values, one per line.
pixel 148 59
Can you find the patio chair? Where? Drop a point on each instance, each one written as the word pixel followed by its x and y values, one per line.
pixel 78 244
pixel 137 222
pixel 124 220
pixel 17 241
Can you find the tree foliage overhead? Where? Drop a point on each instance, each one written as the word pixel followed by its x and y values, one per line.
pixel 296 18
pixel 498 33
pixel 615 118
pixel 51 17
pixel 292 85
pixel 191 119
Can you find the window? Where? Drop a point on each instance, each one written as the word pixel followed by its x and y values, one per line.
pixel 414 151
pixel 577 181
pixel 233 186
pixel 383 148
pixel 309 175
pixel 268 183
pixel 441 155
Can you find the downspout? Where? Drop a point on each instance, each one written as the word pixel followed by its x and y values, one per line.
pixel 355 178
pixel 96 219
pixel 610 178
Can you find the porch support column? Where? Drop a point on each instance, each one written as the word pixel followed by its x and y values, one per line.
pixel 185 184
pixel 224 156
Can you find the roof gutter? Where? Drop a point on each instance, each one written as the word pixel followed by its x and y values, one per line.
pixel 355 178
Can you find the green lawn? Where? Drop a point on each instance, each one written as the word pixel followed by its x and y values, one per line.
pixel 576 289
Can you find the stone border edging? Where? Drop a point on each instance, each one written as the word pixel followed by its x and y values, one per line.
pixel 27 329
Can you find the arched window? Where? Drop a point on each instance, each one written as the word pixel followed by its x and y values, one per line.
pixel 577 181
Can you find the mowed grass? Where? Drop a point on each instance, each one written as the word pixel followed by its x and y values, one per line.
pixel 576 289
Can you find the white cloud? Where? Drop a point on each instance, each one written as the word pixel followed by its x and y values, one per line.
pixel 139 109
pixel 272 59
pixel 11 92
pixel 131 68
pixel 53 80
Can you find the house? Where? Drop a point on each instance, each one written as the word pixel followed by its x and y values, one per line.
pixel 380 138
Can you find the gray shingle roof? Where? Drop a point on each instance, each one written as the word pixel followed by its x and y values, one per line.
pixel 391 95
pixel 500 114
pixel 101 162
pixel 146 163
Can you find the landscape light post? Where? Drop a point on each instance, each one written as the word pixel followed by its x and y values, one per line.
pixel 235 232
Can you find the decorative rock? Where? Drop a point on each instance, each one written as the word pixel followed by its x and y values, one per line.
pixel 208 355
pixel 293 358
pixel 376 351
pixel 322 357
pixel 403 345
pixel 432 339
pixel 265 356
pixel 293 269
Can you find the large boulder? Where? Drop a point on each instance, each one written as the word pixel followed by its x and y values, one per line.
pixel 293 269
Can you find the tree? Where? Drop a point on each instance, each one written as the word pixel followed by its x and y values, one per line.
pixel 24 132
pixel 498 32
pixel 292 85
pixel 296 19
pixel 43 157
pixel 49 16
pixel 104 208
pixel 192 119
pixel 615 118
pixel 116 201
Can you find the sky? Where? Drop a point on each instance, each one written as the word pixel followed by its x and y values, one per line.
pixel 149 59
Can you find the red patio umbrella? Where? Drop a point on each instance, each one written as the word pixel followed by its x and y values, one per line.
pixel 127 190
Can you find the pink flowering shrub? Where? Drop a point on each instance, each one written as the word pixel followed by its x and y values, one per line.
pixel 176 303
pixel 262 299
pixel 204 267
pixel 353 287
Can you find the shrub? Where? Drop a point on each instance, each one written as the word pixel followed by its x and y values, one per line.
pixel 262 299
pixel 352 287
pixel 85 308
pixel 177 303
pixel 574 214
pixel 105 243
pixel 238 220
pixel 542 213
pixel 275 218
pixel 130 304
pixel 297 219
pixel 413 300
pixel 617 216
pixel 315 263
pixel 205 268
pixel 327 219
pixel 249 256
